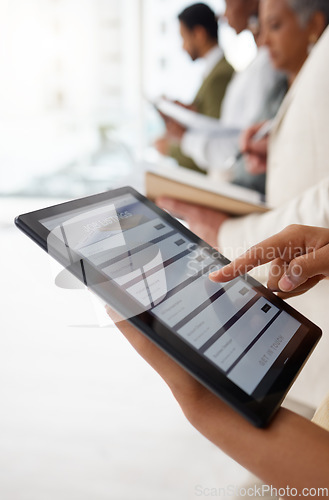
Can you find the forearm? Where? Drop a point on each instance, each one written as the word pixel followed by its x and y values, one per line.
pixel 290 452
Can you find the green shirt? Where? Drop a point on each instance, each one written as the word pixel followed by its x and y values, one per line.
pixel 207 102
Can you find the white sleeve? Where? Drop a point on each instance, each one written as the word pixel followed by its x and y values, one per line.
pixel 209 151
pixel 193 145
pixel 311 208
pixel 249 91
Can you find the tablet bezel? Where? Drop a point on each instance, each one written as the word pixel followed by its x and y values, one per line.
pixel 258 412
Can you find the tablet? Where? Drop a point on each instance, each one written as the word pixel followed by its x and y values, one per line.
pixel 238 339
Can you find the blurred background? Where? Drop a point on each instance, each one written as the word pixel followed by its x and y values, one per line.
pixel 82 416
pixel 76 77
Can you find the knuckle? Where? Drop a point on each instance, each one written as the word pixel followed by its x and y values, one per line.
pixel 300 266
pixel 292 228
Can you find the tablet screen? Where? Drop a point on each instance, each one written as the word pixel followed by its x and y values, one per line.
pixel 234 326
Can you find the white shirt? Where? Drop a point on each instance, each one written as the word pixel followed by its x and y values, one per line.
pixel 298 190
pixel 243 105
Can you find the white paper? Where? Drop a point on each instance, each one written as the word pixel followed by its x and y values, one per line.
pixel 193 120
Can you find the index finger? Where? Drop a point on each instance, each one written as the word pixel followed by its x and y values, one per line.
pixel 282 245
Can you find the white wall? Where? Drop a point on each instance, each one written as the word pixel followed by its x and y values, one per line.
pixel 68 67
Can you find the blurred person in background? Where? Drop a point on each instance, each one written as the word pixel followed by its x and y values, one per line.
pixel 253 95
pixel 199 31
pixel 297 173
pixel 289 40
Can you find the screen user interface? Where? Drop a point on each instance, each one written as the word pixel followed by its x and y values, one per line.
pixel 232 325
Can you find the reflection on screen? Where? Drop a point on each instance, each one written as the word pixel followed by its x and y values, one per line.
pixel 233 326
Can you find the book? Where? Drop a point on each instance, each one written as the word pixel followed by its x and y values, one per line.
pixel 192 187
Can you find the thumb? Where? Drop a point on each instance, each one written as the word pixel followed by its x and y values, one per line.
pixel 303 268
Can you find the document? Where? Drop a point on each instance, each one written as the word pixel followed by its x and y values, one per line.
pixel 193 120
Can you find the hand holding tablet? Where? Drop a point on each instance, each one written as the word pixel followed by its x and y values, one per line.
pixel 280 455
pixel 237 339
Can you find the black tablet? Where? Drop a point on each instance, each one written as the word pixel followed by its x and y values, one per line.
pixel 238 339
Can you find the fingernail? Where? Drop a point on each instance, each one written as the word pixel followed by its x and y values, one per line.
pixel 214 275
pixel 286 284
